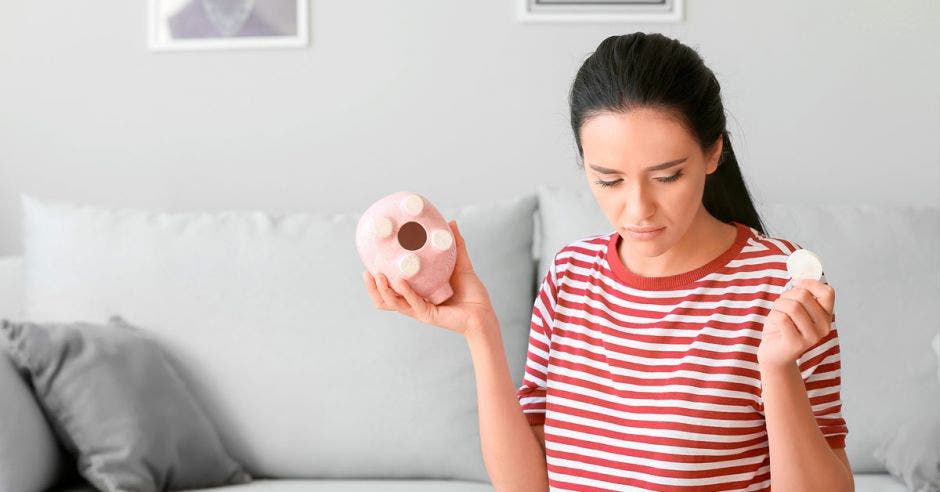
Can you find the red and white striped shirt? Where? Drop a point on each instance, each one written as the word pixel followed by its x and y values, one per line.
pixel 652 383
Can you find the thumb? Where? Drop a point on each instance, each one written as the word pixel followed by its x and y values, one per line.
pixel 463 260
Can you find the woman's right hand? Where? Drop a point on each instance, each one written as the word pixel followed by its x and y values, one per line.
pixel 469 307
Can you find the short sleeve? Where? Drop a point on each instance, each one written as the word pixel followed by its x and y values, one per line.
pixel 821 369
pixel 531 394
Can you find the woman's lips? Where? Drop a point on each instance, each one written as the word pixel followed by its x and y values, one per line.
pixel 645 235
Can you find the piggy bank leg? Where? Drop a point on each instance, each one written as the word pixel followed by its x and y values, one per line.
pixel 440 295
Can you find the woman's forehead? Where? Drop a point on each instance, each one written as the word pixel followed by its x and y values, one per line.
pixel 637 139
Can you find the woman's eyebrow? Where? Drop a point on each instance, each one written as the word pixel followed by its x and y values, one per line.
pixel 657 167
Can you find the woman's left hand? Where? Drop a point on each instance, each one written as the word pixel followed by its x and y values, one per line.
pixel 800 317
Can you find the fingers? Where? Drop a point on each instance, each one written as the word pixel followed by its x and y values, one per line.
pixel 780 318
pixel 381 294
pixel 824 293
pixel 419 306
pixel 818 314
pixel 804 324
pixel 373 290
pixel 463 259
pixel 789 332
pixel 391 298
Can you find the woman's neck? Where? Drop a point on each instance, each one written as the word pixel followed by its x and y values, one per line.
pixel 706 239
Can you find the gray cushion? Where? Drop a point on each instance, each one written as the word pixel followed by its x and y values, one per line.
pixel 29 455
pixel 564 215
pixel 116 403
pixel 884 263
pixel 877 482
pixel 912 453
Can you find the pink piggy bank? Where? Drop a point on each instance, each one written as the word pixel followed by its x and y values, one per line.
pixel 404 236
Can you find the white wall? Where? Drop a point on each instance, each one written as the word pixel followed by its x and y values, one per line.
pixel 455 100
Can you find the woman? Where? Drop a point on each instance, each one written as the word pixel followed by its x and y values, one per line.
pixel 672 353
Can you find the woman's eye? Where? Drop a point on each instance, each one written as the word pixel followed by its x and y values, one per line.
pixel 670 179
pixel 667 179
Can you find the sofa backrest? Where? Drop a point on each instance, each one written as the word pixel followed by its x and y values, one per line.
pixel 407 391
pixel 269 322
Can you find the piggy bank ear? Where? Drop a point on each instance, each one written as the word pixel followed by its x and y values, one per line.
pixel 379 226
pixel 412 204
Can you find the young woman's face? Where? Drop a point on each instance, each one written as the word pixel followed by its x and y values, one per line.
pixel 619 149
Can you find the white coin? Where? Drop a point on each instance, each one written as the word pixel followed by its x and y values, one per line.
pixel 803 263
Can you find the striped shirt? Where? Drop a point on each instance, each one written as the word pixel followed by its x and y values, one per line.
pixel 652 383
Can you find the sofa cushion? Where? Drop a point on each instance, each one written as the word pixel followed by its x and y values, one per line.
pixel 877 482
pixel 864 482
pixel 563 216
pixel 912 453
pixel 884 263
pixel 30 457
pixel 270 323
pixel 326 485
pixel 119 407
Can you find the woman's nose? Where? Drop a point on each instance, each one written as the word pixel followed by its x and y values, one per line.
pixel 639 204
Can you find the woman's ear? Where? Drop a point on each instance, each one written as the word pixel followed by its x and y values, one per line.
pixel 714 157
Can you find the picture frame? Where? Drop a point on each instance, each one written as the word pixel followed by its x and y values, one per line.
pixel 600 11
pixel 227 24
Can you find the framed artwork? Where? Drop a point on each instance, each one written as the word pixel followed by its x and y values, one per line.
pixel 599 10
pixel 227 24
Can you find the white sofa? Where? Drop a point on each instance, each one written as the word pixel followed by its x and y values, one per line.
pixel 311 388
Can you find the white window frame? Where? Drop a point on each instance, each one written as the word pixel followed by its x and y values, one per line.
pixel 529 11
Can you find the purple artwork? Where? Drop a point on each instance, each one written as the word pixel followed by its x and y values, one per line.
pixel 213 18
pixel 205 23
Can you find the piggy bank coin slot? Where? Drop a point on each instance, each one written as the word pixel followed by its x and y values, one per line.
pixel 412 236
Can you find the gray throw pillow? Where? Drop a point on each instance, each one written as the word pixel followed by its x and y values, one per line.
pixel 116 403
pixel 29 456
pixel 912 453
